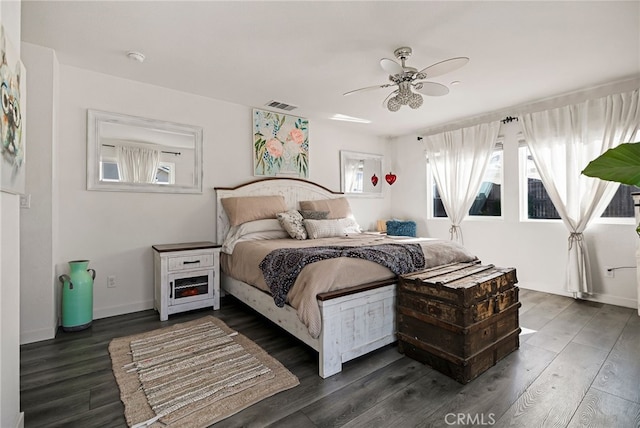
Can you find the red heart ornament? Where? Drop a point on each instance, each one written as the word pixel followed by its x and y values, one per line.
pixel 374 180
pixel 391 178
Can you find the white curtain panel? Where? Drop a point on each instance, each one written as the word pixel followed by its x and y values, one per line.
pixel 137 164
pixel 459 160
pixel 562 142
pixel 351 175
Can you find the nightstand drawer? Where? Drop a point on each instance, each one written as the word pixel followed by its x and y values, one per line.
pixel 190 262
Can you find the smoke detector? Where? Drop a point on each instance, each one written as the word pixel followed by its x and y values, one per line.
pixel 135 56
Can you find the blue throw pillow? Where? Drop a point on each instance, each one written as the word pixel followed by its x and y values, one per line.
pixel 401 228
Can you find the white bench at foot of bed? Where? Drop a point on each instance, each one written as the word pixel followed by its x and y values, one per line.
pixel 352 324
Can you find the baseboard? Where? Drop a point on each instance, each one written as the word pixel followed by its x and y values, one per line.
pixel 613 300
pixel 20 422
pixel 544 288
pixel 122 309
pixel 600 298
pixel 37 335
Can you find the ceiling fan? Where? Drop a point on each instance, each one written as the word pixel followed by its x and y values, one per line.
pixel 406 78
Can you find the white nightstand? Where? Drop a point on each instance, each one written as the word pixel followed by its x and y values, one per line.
pixel 186 276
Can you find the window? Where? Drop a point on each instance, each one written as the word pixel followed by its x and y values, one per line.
pixel 539 205
pixel 488 202
pixel 622 203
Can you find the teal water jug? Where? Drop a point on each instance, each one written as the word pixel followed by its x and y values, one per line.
pixel 77 296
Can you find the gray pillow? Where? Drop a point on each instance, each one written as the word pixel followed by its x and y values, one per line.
pixel 314 215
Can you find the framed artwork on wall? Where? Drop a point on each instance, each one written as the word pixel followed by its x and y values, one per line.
pixel 13 81
pixel 280 145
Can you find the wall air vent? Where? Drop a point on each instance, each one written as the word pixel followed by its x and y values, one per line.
pixel 281 106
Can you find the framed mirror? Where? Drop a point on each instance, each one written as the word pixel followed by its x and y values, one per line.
pixel 361 174
pixel 133 154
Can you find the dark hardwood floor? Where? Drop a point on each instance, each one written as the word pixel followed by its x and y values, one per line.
pixel 578 365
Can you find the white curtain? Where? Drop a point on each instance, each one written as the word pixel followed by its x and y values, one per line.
pixel 459 160
pixel 352 175
pixel 137 164
pixel 562 142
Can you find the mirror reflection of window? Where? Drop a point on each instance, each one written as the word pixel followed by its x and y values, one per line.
pixel 109 172
pixel 358 171
pixel 166 173
pixel 353 175
pixel 358 187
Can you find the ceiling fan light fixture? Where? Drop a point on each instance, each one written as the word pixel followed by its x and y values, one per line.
pixel 416 101
pixel 393 104
pixel 404 97
pixel 404 94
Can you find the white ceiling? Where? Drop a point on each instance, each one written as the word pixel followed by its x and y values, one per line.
pixel 309 53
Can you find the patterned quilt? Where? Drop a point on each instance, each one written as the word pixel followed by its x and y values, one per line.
pixel 282 266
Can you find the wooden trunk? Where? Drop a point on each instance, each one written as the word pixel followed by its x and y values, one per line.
pixel 464 370
pixel 461 318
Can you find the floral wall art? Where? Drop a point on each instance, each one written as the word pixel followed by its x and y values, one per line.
pixel 13 95
pixel 280 145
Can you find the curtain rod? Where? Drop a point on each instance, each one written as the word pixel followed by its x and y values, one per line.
pixel 170 153
pixel 567 98
pixel 507 119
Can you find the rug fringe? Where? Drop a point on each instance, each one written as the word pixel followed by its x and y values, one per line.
pixel 146 423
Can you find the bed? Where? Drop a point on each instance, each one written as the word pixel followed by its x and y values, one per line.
pixel 346 315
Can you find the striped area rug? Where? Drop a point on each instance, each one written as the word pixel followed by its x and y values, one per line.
pixel 192 374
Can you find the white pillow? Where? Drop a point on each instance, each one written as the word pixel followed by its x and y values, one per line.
pixel 324 228
pixel 350 225
pixel 252 231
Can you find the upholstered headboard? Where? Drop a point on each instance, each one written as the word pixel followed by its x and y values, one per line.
pixel 292 189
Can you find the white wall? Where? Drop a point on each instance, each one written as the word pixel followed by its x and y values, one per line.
pixel 10 415
pixel 537 249
pixel 10 310
pixel 115 230
pixel 39 222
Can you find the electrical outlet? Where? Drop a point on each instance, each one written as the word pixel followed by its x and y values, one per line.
pixel 608 272
pixel 111 281
pixel 25 201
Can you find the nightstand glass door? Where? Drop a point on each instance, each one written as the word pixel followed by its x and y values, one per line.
pixel 190 286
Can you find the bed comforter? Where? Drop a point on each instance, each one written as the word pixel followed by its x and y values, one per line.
pixel 331 274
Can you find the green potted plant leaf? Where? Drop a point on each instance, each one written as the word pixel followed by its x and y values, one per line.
pixel 620 164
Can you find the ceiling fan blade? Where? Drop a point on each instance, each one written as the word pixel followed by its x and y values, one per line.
pixel 431 88
pixel 442 67
pixel 391 67
pixel 368 88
